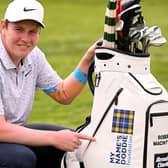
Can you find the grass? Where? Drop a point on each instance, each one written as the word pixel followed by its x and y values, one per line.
pixel 71 27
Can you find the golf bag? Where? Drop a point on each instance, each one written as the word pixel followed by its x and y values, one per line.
pixel 129 117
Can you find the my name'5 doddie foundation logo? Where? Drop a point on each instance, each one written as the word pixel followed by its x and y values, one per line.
pixel 122 125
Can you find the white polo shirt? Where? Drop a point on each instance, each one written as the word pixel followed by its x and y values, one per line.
pixel 17 86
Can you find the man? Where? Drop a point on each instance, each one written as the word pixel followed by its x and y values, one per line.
pixel 23 69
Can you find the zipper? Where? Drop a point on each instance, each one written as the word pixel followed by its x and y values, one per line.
pixel 112 102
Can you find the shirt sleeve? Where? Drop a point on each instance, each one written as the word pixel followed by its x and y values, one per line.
pixel 47 77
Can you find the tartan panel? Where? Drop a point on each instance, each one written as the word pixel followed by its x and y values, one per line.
pixel 123 121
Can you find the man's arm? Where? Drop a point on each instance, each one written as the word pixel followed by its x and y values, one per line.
pixel 65 140
pixel 69 88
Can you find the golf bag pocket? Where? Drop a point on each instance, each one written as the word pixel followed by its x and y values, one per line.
pixel 156 136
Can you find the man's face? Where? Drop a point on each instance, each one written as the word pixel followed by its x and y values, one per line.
pixel 20 38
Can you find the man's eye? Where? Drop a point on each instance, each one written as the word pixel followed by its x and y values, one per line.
pixel 18 29
pixel 33 32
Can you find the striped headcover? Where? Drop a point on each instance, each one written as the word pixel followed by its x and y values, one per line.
pixel 109 26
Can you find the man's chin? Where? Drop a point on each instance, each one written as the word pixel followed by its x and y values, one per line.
pixel 23 54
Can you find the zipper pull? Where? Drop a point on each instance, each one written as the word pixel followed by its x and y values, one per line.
pixel 97 80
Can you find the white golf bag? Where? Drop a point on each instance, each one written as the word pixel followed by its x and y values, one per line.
pixel 129 117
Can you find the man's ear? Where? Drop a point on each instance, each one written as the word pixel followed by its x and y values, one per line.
pixel 2 24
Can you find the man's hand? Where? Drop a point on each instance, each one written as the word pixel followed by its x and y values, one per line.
pixel 68 140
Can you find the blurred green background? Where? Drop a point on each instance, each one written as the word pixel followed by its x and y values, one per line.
pixel 71 27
